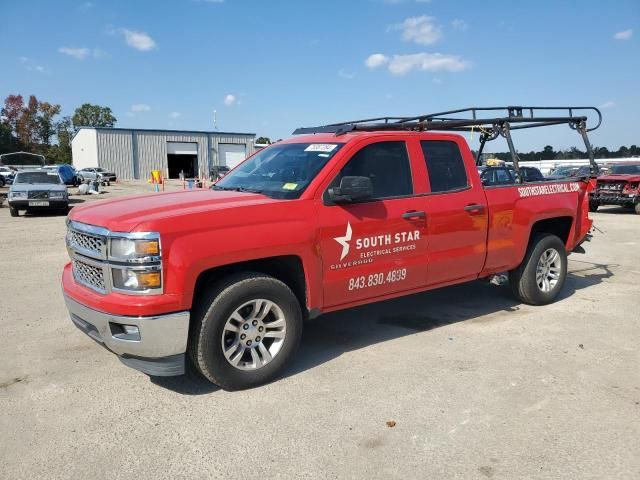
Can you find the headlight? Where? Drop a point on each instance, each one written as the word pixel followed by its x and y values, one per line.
pixel 57 194
pixel 132 249
pixel 136 280
pixel 18 194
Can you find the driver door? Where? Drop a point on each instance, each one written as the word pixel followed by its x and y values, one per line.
pixel 374 247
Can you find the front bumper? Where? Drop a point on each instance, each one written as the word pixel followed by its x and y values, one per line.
pixel 614 199
pixel 53 204
pixel 158 349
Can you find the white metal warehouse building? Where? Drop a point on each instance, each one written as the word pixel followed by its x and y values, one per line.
pixel 134 153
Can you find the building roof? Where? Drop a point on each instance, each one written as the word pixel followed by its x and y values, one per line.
pixel 161 130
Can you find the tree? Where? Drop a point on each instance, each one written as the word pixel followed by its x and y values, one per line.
pixel 46 125
pixel 11 113
pixel 263 140
pixel 61 153
pixel 548 153
pixel 28 123
pixel 93 116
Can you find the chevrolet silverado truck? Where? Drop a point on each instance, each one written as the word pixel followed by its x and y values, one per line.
pixel 621 186
pixel 347 214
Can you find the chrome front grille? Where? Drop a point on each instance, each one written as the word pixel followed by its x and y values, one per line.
pixel 89 275
pixel 38 194
pixel 92 264
pixel 610 187
pixel 92 245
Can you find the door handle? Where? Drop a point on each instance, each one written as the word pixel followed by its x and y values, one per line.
pixel 413 214
pixel 474 207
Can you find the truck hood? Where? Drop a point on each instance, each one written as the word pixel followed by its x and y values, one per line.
pixel 620 177
pixel 124 214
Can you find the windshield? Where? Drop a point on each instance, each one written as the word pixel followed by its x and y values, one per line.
pixel 280 171
pixel 564 170
pixel 625 169
pixel 37 177
pixel 100 170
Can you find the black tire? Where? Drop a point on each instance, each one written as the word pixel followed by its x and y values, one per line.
pixel 14 212
pixel 2 181
pixel 210 315
pixel 636 207
pixel 523 279
pixel 593 206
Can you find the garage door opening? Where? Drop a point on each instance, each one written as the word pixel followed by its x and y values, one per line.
pixel 182 158
pixel 185 164
pixel 231 154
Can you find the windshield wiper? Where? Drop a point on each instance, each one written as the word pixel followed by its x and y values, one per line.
pixel 239 189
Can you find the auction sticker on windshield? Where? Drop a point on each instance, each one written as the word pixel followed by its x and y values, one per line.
pixel 321 147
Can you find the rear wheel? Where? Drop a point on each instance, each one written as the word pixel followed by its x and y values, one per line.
pixel 541 275
pixel 245 331
pixel 593 206
pixel 14 212
pixel 637 208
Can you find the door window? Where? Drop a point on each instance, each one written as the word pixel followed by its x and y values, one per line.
pixel 386 164
pixel 444 165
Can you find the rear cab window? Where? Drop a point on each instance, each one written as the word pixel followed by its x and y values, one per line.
pixel 445 166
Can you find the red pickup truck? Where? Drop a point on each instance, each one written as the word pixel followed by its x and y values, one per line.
pixel 223 278
pixel 621 186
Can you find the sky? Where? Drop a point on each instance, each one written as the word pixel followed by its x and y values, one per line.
pixel 269 66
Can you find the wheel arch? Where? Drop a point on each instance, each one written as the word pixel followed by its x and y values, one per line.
pixel 558 226
pixel 289 269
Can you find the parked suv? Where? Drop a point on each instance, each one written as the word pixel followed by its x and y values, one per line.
pixel 66 172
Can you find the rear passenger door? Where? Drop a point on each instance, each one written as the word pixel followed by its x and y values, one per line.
pixel 374 247
pixel 456 212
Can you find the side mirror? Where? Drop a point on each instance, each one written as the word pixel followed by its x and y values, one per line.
pixel 351 189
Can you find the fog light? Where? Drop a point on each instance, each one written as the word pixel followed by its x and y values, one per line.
pixel 125 332
pixel 131 330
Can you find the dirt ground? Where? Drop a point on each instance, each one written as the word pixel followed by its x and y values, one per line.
pixel 462 382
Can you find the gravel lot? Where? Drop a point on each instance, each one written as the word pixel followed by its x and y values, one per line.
pixel 478 385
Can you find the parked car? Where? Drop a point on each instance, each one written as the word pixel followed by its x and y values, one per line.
pixel 531 174
pixel 621 186
pixel 217 172
pixel 36 190
pixel 99 174
pixel 506 175
pixel 6 175
pixel 570 172
pixel 491 176
pixel 328 220
pixel 562 172
pixel 66 172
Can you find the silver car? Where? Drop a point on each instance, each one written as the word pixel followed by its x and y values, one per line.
pixel 99 174
pixel 35 190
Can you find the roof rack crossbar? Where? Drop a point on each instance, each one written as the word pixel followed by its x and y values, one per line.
pixel 470 119
pixel 444 120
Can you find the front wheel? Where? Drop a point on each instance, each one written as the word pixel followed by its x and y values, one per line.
pixel 245 330
pixel 636 207
pixel 539 278
pixel 14 212
pixel 593 206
